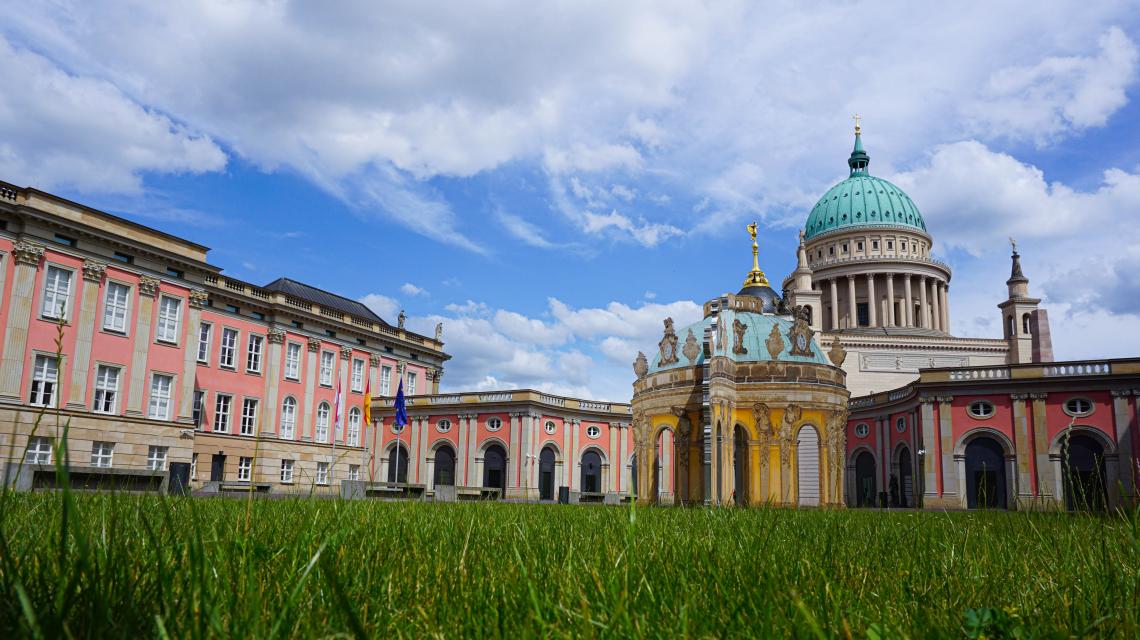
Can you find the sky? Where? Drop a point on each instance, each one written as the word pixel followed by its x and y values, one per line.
pixel 552 180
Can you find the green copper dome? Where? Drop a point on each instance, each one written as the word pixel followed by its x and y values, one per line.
pixel 862 200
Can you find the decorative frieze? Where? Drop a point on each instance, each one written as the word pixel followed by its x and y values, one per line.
pixel 148 286
pixel 94 271
pixel 28 253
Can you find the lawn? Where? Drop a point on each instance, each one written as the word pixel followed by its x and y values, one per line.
pixel 117 566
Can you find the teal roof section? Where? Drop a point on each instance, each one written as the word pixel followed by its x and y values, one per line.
pixel 862 200
pixel 755 337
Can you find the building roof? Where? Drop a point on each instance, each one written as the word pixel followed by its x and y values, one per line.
pixel 323 298
pixel 862 200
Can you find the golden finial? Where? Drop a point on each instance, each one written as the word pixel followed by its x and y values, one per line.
pixel 756 276
pixel 857 118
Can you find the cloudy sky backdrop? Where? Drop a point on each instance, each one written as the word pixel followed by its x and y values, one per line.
pixel 552 179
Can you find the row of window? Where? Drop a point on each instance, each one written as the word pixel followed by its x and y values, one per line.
pixel 862 430
pixel 223 408
pixel 288 466
pixel 102 454
pixel 982 409
pixel 494 424
pixel 916 249
pixel 45 388
pixel 57 296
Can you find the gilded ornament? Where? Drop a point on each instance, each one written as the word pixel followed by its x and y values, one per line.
pixel 691 349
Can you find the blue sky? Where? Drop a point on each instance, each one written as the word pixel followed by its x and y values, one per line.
pixel 552 180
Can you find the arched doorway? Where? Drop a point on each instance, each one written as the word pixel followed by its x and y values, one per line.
pixel 906 478
pixel 546 474
pixel 591 472
pixel 495 468
pixel 807 466
pixel 444 466
pixel 740 458
pixel 985 474
pixel 865 480
pixel 1082 468
pixel 398 464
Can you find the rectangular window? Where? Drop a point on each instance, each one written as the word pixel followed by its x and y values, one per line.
pixel 156 458
pixel 199 403
pixel 125 258
pixel 232 308
pixel 65 240
pixel 385 381
pixel 257 315
pixel 245 469
pixel 194 466
pixel 358 375
pixel 411 383
pixel 831 251
pixel 222 406
pixel 327 368
pixel 45 378
pixel 102 454
pixel 175 273
pixel 115 307
pixel 292 361
pixel 286 471
pixel 322 473
pixel 253 355
pixel 874 245
pixel 330 333
pixel 228 347
pixel 297 324
pixel 169 314
pixel 205 330
pixel 57 293
pixel 890 245
pixel 362 342
pixel 862 312
pixel 160 387
pixel 858 246
pixel 353 472
pixel 39 451
pixel 106 389
pixel 248 416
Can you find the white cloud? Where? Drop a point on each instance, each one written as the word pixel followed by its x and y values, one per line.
pixel 469 308
pixel 383 306
pixel 605 157
pixel 410 289
pixel 523 230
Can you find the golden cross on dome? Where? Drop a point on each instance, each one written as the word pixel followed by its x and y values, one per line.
pixel 857 118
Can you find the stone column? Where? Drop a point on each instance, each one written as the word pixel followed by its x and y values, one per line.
pixel 1023 450
pixel 345 366
pixel 944 306
pixel 27 257
pixel 93 273
pixel 935 312
pixel 275 337
pixel 423 456
pixel 623 449
pixel 1047 480
pixel 472 449
pixel 514 468
pixel 834 305
pixel 461 452
pixel 890 299
pixel 923 310
pixel 872 301
pixel 618 462
pixel 414 448
pixel 852 316
pixel 148 290
pixel 946 429
pixel 572 456
pixel 1125 433
pixel 306 408
pixel 713 494
pixel 190 362
pixel 908 303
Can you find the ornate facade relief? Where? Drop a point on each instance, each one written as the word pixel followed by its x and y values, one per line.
pixel 668 344
pixel 762 416
pixel 792 416
pixel 691 349
pixel 148 286
pixel 800 334
pixel 738 331
pixel 27 253
pixel 94 271
pixel 198 298
pixel 774 343
pixel 837 354
pixel 314 345
pixel 640 366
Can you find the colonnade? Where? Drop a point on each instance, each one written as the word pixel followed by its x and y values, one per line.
pixel 931 310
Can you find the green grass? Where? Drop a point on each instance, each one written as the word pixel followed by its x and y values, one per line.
pixel 134 566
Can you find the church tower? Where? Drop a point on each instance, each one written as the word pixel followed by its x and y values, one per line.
pixel 1024 326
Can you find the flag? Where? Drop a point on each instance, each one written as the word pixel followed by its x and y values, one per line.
pixel 336 413
pixel 401 407
pixel 367 402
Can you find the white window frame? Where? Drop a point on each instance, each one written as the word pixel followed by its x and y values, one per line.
pixel 255 348
pixel 981 415
pixel 862 430
pixel 443 425
pixel 287 471
pixel 156 458
pixel 169 324
pixel 205 336
pixel 44 387
pixel 326 373
pixel 1078 414
pixel 160 400
pixel 50 307
pixel 353 472
pixel 385 380
pixel 293 361
pixel 354 419
pixel 550 427
pixel 38 451
pixel 357 375
pixel 245 469
pixel 248 426
pixel 199 406
pixel 193 466
pixel 223 411
pixel 411 387
pixel 593 432
pixel 106 385
pixel 115 313
pixel 322 473
pixel 494 424
pixel 227 353
pixel 102 455
pixel 322 429
pixel 288 429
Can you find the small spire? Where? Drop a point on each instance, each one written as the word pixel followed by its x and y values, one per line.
pixel 859 159
pixel 755 277
pixel 857 118
pixel 1015 274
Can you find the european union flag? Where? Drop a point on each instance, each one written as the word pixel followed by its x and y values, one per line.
pixel 401 407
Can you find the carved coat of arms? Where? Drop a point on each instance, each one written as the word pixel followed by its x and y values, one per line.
pixel 800 335
pixel 668 344
pixel 691 349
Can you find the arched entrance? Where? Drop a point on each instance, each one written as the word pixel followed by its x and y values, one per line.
pixel 444 466
pixel 807 466
pixel 398 464
pixel 1083 473
pixel 591 481
pixel 495 468
pixel 906 478
pixel 740 458
pixel 985 474
pixel 865 480
pixel 546 474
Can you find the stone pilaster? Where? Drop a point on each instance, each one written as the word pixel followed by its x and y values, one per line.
pixel 535 448
pixel 276 338
pixel 928 460
pixel 461 451
pixel 514 466
pixel 27 257
pixel 1046 477
pixel 923 308
pixel 619 462
pixel 414 458
pixel 307 408
pixel 148 291
pixel 872 301
pixel 198 299
pixel 93 273
pixel 473 478
pixel 1125 433
pixel 1023 448
pixel 340 429
pixel 575 428
pixel 908 302
pixel 950 480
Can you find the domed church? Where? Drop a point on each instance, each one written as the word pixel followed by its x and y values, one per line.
pixel 742 406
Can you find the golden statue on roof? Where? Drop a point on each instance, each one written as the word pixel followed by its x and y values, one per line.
pixel 755 277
